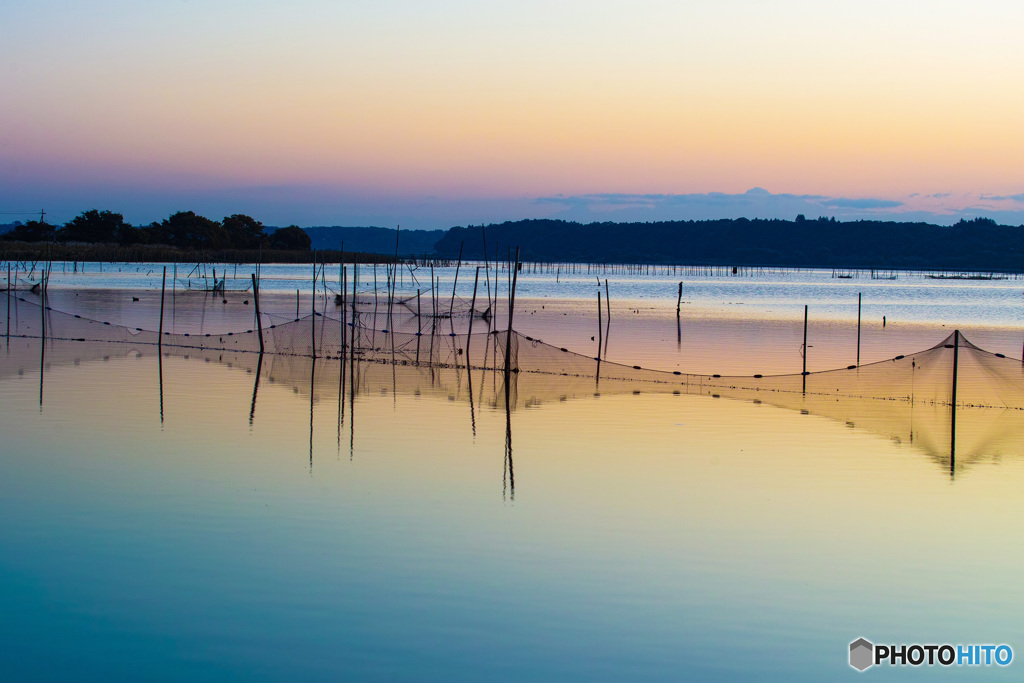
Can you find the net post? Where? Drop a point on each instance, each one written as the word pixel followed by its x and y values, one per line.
pixel 956 358
pixel 511 309
pixel 344 299
pixel 858 327
pixel 608 319
pixel 163 291
pixel 472 311
pixel 600 338
pixel 952 420
pixel 803 374
pixel 256 302
pixel 805 340
pixel 42 315
pixel 451 304
pixel 312 312
pixel 394 282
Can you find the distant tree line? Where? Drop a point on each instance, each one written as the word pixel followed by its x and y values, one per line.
pixel 978 244
pixel 185 229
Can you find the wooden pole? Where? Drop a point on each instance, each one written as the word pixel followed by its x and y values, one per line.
pixel 259 323
pixel 344 309
pixel 858 327
pixel 355 285
pixel 394 281
pixel 511 310
pixel 608 300
pixel 952 423
pixel 451 304
pixel 600 336
pixel 163 290
pixel 487 267
pixel 312 316
pixel 42 313
pixel 419 315
pixel 8 300
pixel 352 364
pixel 608 320
pixel 472 307
pixel 805 341
pixel 679 299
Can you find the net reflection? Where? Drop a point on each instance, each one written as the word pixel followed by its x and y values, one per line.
pixel 955 439
pixel 955 402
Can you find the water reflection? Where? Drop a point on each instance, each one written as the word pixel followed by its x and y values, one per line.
pixel 955 438
pixel 674 531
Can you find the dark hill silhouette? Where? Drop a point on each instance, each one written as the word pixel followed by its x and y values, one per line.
pixel 979 244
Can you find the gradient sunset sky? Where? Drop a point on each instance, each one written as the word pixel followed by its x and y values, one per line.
pixel 440 113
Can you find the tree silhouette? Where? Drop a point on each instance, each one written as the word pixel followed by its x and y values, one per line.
pixel 292 237
pixel 243 232
pixel 94 226
pixel 188 229
pixel 32 231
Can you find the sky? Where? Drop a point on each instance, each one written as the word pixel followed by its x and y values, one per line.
pixel 433 113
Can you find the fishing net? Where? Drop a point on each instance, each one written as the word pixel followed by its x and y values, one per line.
pixel 906 398
pixel 545 371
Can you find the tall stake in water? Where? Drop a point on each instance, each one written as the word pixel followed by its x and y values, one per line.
pixel 952 422
pixel 394 280
pixel 42 346
pixel 256 304
pixel 344 312
pixel 858 327
pixel 608 321
pixel 451 304
pixel 804 373
pixel 487 267
pixel 472 311
pixel 163 289
pixel 600 338
pixel 312 318
pixel 352 366
pixel 511 309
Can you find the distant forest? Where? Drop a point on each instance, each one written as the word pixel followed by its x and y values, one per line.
pixel 375 240
pixel 979 244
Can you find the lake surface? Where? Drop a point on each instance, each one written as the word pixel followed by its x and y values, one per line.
pixel 208 515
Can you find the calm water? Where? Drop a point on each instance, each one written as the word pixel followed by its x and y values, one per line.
pixel 207 517
pixel 772 293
